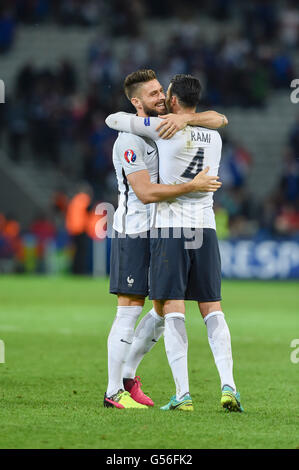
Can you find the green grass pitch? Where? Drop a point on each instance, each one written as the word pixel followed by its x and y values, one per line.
pixel 52 383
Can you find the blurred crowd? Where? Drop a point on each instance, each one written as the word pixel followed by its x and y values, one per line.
pixel 239 213
pixel 237 68
pixel 280 214
pixel 118 16
pixel 56 241
pixel 126 17
pixel 58 125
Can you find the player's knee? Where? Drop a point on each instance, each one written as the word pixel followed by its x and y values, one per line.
pixel 158 306
pixel 208 307
pixel 130 300
pixel 171 306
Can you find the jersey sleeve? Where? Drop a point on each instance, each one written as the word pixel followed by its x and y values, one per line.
pixel 126 122
pixel 131 154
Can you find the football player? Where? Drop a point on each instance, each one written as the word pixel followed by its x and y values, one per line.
pixel 136 165
pixel 194 273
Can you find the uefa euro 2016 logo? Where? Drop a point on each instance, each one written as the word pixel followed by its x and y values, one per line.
pixel 2 92
pixel 130 156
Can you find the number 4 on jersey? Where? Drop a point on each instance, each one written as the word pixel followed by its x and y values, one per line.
pixel 195 166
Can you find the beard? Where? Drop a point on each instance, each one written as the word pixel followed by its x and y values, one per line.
pixel 152 112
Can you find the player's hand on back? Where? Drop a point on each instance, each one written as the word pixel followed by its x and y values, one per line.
pixel 171 124
pixel 205 183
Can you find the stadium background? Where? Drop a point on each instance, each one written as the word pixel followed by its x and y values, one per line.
pixel 63 64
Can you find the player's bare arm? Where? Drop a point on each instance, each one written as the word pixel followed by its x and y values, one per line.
pixel 149 127
pixel 173 123
pixel 149 192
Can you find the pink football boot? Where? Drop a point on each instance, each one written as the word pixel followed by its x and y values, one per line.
pixel 133 386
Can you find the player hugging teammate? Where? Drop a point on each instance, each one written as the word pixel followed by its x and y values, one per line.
pixel 165 242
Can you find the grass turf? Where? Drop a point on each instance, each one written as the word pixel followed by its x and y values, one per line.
pixel 52 384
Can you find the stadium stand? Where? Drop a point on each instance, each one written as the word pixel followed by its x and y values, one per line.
pixel 63 69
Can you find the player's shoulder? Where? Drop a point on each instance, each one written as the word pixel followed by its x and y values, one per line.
pixel 129 147
pixel 125 139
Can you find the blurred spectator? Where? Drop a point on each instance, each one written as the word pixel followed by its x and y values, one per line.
pixel 280 211
pixel 222 9
pixel 294 140
pixel 26 80
pixel 77 216
pixel 235 164
pixel 287 221
pixel 241 210
pixel 260 19
pixel 44 231
pixel 282 69
pixel 289 184
pixel 289 24
pixel 98 161
pixel 3 122
pixel 43 228
pixel 222 221
pixel 60 202
pixel 7 30
pixel 9 237
pixel 266 217
pixel 66 77
pixel 17 124
pixel 32 11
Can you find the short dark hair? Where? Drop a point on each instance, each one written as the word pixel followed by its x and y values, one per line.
pixel 187 89
pixel 134 80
